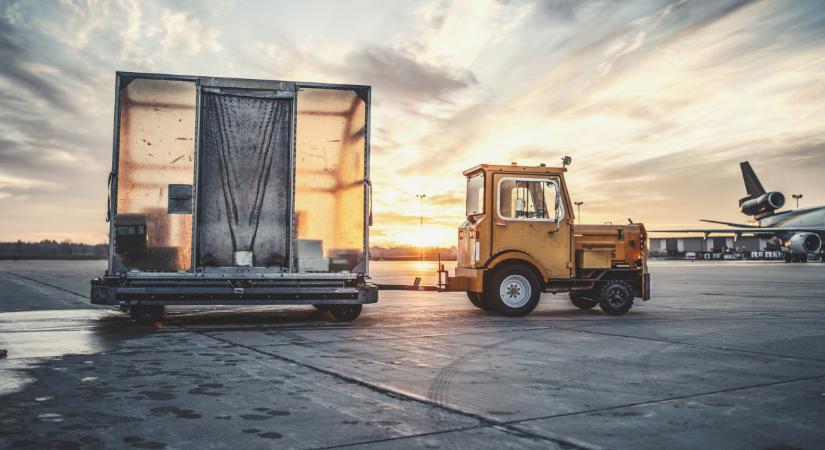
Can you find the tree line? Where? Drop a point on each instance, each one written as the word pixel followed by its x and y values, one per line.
pixel 51 249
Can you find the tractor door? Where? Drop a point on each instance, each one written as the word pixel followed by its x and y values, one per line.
pixel 530 217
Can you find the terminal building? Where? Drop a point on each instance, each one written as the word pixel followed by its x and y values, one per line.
pixel 745 247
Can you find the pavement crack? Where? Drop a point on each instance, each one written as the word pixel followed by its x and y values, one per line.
pixel 483 421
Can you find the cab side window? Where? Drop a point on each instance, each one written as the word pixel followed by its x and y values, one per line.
pixel 527 199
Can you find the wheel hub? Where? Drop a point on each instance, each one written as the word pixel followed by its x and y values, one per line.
pixel 616 297
pixel 515 291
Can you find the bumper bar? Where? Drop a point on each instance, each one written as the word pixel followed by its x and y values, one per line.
pixel 195 295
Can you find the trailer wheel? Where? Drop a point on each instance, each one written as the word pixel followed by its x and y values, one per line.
pixel 513 291
pixel 582 302
pixel 345 313
pixel 615 298
pixel 146 313
pixel 479 300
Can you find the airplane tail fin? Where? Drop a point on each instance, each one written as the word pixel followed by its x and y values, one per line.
pixel 752 183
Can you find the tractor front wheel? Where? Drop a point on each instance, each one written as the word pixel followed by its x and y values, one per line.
pixel 513 291
pixel 479 300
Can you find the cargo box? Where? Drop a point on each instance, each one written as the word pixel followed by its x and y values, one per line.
pixel 235 191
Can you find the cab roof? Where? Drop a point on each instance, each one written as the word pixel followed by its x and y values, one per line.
pixel 515 168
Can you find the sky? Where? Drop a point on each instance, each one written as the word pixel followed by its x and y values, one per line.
pixel 656 101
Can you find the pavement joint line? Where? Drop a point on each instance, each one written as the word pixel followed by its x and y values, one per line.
pixel 734 315
pixel 690 344
pixel 669 399
pixel 46 284
pixel 485 421
pixel 398 438
pixel 424 336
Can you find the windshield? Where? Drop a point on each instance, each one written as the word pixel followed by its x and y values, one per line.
pixel 475 194
pixel 527 199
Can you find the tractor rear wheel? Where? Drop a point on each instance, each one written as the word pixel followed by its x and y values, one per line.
pixel 616 298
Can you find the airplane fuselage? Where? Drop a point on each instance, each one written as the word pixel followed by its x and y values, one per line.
pixel 796 218
pixel 801 231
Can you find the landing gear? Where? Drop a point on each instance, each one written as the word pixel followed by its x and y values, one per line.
pixel 795 257
pixel 146 313
pixel 479 300
pixel 345 313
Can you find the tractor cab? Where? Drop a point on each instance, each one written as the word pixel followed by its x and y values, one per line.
pixel 519 240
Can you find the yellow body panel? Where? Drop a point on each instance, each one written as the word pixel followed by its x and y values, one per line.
pixel 596 259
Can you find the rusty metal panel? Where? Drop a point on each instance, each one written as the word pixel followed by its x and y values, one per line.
pixel 155 148
pixel 330 175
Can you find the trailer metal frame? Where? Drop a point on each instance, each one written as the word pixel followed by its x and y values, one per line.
pixel 234 285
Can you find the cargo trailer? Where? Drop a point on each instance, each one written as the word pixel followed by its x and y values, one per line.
pixel 228 191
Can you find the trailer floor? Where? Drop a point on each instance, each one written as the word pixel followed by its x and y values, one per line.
pixel 726 355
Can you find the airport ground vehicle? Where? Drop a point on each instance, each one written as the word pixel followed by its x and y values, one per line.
pixel 231 191
pixel 519 240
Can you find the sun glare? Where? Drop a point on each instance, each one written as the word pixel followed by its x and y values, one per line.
pixel 432 236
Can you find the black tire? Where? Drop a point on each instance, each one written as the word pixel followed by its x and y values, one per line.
pixel 513 291
pixel 146 313
pixel 582 302
pixel 345 313
pixel 321 308
pixel 615 298
pixel 479 300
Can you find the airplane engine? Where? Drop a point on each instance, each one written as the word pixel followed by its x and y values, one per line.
pixel 805 243
pixel 765 203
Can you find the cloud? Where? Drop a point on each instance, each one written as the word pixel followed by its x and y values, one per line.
pixel 185 34
pixel 17 186
pixel 397 75
pixel 16 58
pixel 656 100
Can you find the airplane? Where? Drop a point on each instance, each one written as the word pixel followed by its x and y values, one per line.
pixel 800 231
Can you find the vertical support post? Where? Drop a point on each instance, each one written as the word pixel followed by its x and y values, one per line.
pixel 114 177
pixel 196 176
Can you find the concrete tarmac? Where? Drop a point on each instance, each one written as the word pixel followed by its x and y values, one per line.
pixel 726 355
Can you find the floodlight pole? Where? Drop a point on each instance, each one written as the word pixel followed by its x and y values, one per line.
pixel 797 197
pixel 421 223
pixel 579 211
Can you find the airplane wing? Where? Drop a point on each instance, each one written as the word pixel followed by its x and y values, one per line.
pixel 730 224
pixel 748 230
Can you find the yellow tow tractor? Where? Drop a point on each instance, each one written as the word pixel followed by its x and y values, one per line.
pixel 519 240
